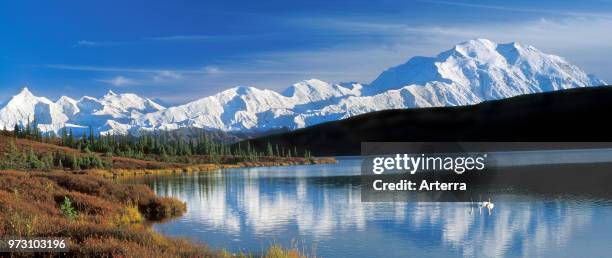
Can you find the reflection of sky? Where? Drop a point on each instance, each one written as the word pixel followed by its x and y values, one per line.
pixel 250 208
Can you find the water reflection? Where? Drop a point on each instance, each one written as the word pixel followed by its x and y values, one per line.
pixel 246 209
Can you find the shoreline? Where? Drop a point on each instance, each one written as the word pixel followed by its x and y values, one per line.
pixel 42 196
pixel 106 217
pixel 121 172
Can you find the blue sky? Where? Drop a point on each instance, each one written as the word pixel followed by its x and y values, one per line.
pixel 184 50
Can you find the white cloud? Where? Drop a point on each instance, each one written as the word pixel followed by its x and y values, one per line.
pixel 518 9
pixel 167 75
pixel 86 43
pixel 166 39
pixel 119 81
pixel 199 38
pixel 177 73
pixel 212 70
pixel 183 38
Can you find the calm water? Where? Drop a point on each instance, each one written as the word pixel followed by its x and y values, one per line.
pixel 317 209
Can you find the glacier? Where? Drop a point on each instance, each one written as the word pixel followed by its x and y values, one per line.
pixel 469 73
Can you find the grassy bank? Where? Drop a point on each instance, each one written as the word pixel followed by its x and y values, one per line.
pixel 106 218
pixel 101 218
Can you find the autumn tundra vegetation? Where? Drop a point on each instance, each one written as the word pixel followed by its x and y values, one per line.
pixel 54 186
pixel 26 148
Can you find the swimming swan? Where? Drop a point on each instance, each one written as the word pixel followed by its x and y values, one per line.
pixel 489 205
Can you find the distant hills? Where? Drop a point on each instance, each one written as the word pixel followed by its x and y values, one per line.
pixel 569 115
pixel 469 73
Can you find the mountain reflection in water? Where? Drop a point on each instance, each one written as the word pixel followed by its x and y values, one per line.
pixel 319 208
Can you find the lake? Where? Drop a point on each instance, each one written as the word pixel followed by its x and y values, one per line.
pixel 318 208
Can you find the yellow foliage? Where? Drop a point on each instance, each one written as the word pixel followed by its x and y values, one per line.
pixel 277 251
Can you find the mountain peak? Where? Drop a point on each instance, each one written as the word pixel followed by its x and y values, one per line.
pixel 478 41
pixel 305 86
pixel 314 81
pixel 480 48
pixel 110 93
pixel 25 92
pixel 485 67
pixel 64 99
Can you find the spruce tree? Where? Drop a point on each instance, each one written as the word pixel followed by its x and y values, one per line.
pixel 16 131
pixel 74 162
pixel 270 151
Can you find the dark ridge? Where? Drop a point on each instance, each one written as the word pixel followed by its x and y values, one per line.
pixel 569 115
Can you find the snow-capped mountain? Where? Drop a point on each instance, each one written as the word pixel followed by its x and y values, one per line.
pixel 25 107
pixel 112 113
pixel 469 73
pixel 244 108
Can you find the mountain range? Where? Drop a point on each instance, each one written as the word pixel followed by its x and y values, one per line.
pixel 471 72
pixel 573 118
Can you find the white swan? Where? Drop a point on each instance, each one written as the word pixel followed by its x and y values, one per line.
pixel 489 205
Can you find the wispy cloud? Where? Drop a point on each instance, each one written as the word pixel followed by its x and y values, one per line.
pixel 167 39
pixel 166 75
pixel 86 43
pixel 119 81
pixel 178 73
pixel 518 9
pixel 200 38
pixel 146 74
pixel 93 68
pixel 212 70
pixel 89 43
pixel 183 38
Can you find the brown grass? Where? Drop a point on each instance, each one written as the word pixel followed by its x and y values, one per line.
pixel 109 215
pixel 109 221
pixel 39 147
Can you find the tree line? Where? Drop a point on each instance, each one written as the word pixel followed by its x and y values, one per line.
pixel 161 145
